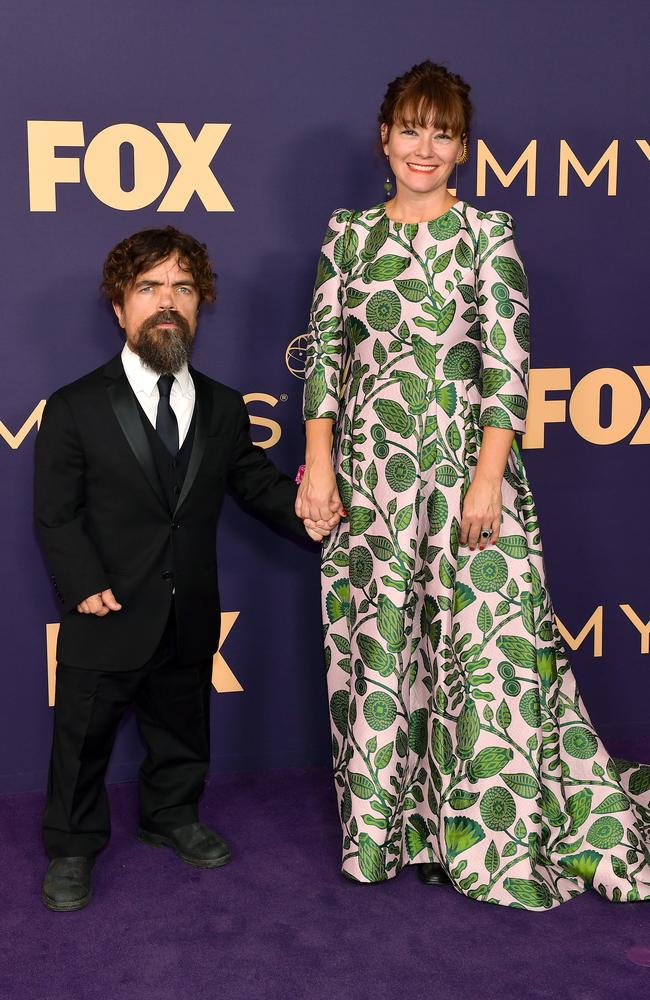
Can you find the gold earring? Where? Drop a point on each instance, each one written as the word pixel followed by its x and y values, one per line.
pixel 464 157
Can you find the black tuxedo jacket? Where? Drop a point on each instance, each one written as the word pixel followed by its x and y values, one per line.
pixel 103 520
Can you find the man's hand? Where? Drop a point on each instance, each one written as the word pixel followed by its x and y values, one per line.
pixel 318 530
pixel 99 604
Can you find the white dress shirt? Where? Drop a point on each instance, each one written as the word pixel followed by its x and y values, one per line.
pixel 144 382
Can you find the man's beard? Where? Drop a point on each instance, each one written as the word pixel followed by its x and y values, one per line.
pixel 164 350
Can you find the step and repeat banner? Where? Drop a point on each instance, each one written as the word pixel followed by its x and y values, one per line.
pixel 246 124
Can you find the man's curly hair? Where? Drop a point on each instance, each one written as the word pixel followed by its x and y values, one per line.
pixel 143 250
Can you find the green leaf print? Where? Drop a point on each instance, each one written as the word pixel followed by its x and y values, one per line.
pixel 493 380
pixel 578 807
pixel 510 271
pixel 441 262
pixel 417 734
pixel 360 519
pixel 376 239
pixel 495 416
pixel 524 785
pixel 497 339
pixel 445 317
pixel 441 746
pixel 521 329
pixel 375 656
pixel 484 619
pixel 403 518
pixel 639 782
pixel 393 416
pixel 551 807
pixel 516 404
pixel 615 802
pixel 461 833
pixel 390 623
pixel 425 354
pixel 381 546
pixel 468 728
pixel 504 717
pixel 315 390
pixel 533 894
pixel 412 289
pixel 338 601
pixel 463 596
pixel 345 249
pixel 385 268
pixel 488 762
pixel 360 786
pixel 463 254
pixel 513 545
pixel 492 858
pixel 415 840
pixel 447 397
pixel 384 756
pixel 354 297
pixel 518 650
pixel 339 703
pixel 461 799
pixel 438 510
pixel 371 859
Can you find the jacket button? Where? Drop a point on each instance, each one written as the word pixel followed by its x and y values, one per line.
pixel 167 574
pixel 176 525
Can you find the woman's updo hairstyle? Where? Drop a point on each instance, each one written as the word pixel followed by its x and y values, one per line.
pixel 428 94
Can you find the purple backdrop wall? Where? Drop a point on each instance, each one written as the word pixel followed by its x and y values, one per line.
pixel 300 84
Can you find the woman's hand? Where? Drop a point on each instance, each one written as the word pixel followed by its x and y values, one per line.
pixel 318 496
pixel 481 510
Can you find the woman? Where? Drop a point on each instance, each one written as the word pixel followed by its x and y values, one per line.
pixel 460 742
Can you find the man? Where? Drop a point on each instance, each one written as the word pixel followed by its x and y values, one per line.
pixel 132 462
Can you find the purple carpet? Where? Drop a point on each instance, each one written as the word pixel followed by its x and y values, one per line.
pixel 280 921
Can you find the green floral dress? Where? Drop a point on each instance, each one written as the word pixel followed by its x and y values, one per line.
pixel 458 732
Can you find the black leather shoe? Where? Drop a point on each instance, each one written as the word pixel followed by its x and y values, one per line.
pixel 194 843
pixel 432 873
pixel 66 885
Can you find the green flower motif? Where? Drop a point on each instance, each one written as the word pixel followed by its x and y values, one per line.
pixel 400 472
pixel 489 571
pixel 498 808
pixel 582 865
pixel 445 227
pixel 579 742
pixel 337 601
pixel 360 566
pixel 383 310
pixel 380 710
pixel 505 309
pixel 546 667
pixel 606 832
pixel 461 833
pixel 512 688
pixel 381 450
pixel 529 708
pixel 500 291
pixel 463 361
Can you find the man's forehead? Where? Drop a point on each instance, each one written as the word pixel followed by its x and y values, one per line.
pixel 168 268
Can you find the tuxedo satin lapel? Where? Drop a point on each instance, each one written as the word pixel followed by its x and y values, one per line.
pixel 126 410
pixel 202 409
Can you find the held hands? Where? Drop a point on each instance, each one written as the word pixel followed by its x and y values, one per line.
pixel 318 502
pixel 481 511
pixel 99 604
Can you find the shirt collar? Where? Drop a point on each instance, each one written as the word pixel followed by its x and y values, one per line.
pixel 145 379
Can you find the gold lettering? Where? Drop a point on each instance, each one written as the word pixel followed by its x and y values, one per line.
pixel 485 158
pixel 102 167
pixel 542 411
pixel 584 406
pixel 642 435
pixel 273 425
pixel 194 157
pixel 33 420
pixel 595 623
pixel 642 627
pixel 644 146
pixel 47 170
pixel 609 159
pixel 223 679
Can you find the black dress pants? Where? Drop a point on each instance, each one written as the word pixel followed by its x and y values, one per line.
pixel 172 707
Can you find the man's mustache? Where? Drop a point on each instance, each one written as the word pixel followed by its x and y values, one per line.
pixel 166 316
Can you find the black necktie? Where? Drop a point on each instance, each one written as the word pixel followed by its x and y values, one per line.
pixel 166 423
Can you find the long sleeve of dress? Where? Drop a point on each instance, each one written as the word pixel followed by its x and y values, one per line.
pixel 326 342
pixel 502 289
